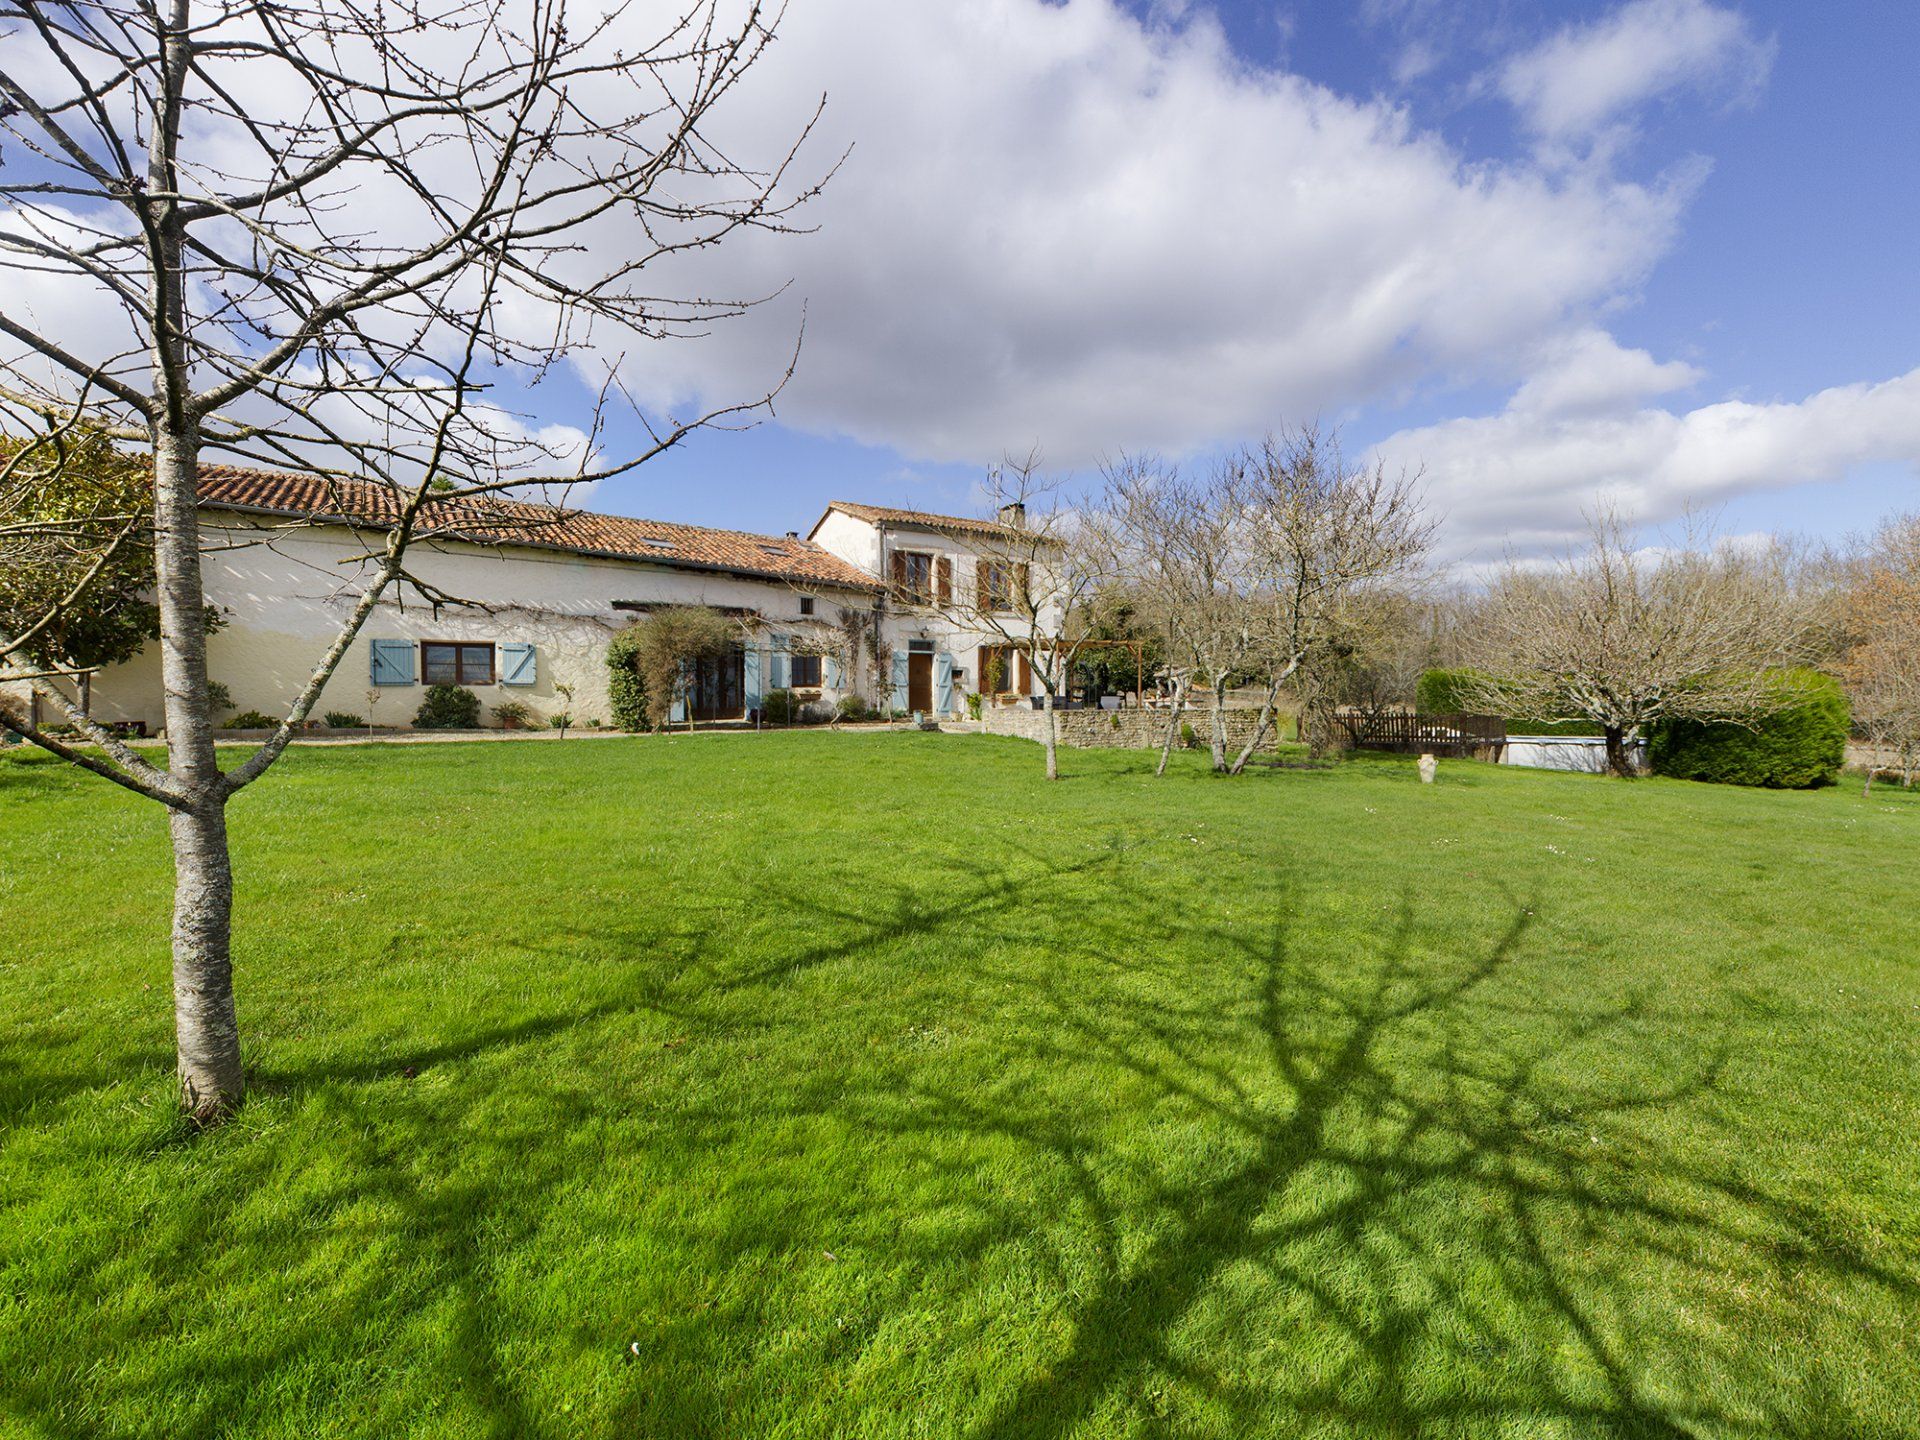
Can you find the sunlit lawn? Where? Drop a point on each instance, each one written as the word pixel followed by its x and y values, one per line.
pixel 863 1085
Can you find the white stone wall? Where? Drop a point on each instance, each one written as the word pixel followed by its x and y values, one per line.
pixel 286 591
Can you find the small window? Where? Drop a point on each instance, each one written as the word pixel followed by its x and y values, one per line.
pixel 450 664
pixel 806 604
pixel 806 672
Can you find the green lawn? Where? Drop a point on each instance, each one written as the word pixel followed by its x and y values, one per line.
pixel 863 1085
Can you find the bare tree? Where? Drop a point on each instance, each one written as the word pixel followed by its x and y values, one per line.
pixel 1623 636
pixel 329 230
pixel 1184 545
pixel 1324 537
pixel 1038 573
pixel 1880 646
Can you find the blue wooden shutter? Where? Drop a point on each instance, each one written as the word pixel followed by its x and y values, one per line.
pixel 782 665
pixel 830 668
pixel 899 697
pixel 677 715
pixel 519 664
pixel 942 683
pixel 751 670
pixel 390 662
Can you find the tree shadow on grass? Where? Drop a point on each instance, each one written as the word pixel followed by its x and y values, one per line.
pixel 1456 1232
pixel 1265 1176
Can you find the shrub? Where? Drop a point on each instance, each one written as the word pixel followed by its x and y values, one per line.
pixel 219 698
pixel 625 689
pixel 559 721
pixel 448 707
pixel 852 707
pixel 342 720
pixel 514 715
pixel 973 705
pixel 250 720
pixel 1796 748
pixel 777 707
pixel 1187 736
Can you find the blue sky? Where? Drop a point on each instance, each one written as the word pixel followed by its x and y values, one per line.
pixel 1788 270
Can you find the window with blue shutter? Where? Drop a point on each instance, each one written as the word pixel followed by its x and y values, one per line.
pixel 836 676
pixel 519 664
pixel 390 662
pixel 781 670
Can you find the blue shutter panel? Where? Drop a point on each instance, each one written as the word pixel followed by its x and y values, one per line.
pixel 942 683
pixel 390 662
pixel 830 669
pixel 782 664
pixel 898 700
pixel 519 664
pixel 751 668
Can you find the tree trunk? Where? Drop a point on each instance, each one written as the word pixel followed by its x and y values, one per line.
pixel 206 1031
pixel 207 1037
pixel 1618 761
pixel 1053 738
pixel 1219 736
pixel 1173 728
pixel 1259 730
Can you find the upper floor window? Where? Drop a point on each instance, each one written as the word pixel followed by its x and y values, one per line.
pixel 1002 584
pixel 922 579
pixel 451 664
pixel 806 604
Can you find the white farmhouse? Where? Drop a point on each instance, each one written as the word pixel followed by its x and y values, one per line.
pixel 512 599
pixel 951 618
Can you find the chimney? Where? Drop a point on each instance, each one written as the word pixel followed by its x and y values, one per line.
pixel 793 534
pixel 1014 514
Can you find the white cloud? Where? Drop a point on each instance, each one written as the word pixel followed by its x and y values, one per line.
pixel 1523 477
pixel 1589 371
pixel 1060 225
pixel 1586 77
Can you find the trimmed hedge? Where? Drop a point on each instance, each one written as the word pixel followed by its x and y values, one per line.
pixel 1798 748
pixel 1438 693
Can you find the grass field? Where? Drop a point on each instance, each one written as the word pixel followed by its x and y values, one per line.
pixel 814 1085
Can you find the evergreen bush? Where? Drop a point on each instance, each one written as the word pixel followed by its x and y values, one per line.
pixel 448 707
pixel 626 691
pixel 1798 747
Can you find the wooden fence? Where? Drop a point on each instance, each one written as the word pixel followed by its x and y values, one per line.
pixel 1477 737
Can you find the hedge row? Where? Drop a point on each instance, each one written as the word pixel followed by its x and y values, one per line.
pixel 1439 693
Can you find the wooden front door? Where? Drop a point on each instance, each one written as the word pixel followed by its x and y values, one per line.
pixel 920 682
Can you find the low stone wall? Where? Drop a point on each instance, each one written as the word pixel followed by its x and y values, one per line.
pixel 1119 729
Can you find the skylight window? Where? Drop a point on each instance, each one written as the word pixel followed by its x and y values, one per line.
pixel 658 544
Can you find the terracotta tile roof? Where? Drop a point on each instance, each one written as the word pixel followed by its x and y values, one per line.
pixel 925 520
pixel 495 520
